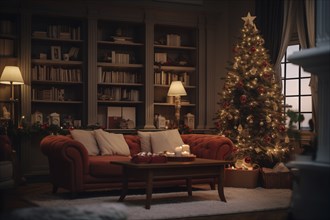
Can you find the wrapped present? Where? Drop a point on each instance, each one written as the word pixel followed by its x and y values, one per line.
pixel 279 177
pixel 241 178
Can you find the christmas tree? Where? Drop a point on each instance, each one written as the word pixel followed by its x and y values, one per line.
pixel 251 110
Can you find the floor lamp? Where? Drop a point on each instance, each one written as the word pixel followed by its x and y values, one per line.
pixel 12 75
pixel 177 90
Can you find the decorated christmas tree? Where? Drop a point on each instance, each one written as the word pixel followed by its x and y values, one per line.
pixel 251 110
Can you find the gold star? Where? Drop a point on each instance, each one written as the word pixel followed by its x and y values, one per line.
pixel 248 19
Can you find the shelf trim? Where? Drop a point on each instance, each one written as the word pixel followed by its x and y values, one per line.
pixel 56 62
pixel 57 102
pixel 115 65
pixel 176 68
pixel 175 47
pixel 120 84
pixel 120 43
pixel 57 39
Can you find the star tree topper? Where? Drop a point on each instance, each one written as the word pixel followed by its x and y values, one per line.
pixel 249 19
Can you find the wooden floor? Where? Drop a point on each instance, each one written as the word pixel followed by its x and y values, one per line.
pixel 15 199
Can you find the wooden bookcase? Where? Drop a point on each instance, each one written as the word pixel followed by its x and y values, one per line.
pixel 9 49
pixel 58 72
pixel 175 58
pixel 120 72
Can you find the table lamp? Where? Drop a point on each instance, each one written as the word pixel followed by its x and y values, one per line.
pixel 177 90
pixel 12 75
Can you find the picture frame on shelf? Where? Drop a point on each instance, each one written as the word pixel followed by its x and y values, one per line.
pixel 56 52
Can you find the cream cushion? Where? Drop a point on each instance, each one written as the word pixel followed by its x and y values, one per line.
pixel 111 144
pixel 165 140
pixel 145 141
pixel 86 138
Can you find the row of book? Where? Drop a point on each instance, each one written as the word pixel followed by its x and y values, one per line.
pixel 165 78
pixel 118 57
pixel 173 40
pixel 121 117
pixel 64 32
pixel 119 94
pixel 6 47
pixel 6 27
pixel 117 76
pixel 52 94
pixel 43 72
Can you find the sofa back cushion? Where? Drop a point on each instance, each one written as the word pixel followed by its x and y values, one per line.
pixel 111 144
pixel 86 138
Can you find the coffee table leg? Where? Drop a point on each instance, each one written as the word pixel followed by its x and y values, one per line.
pixel 125 185
pixel 189 188
pixel 149 189
pixel 220 185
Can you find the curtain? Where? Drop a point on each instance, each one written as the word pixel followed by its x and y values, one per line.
pixel 306 34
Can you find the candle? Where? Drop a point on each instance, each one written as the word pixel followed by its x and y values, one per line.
pixel 185 153
pixel 178 151
pixel 186 147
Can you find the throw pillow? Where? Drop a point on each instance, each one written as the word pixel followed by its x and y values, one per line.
pixel 87 139
pixel 111 144
pixel 145 141
pixel 165 140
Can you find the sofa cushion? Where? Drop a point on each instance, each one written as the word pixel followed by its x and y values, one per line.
pixel 165 140
pixel 100 166
pixel 111 144
pixel 86 138
pixel 145 141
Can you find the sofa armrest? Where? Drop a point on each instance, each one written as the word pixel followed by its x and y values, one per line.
pixel 68 160
pixel 209 146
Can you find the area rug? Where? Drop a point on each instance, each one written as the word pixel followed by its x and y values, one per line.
pixel 180 205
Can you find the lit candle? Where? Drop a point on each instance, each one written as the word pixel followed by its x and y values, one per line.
pixel 186 147
pixel 185 153
pixel 178 151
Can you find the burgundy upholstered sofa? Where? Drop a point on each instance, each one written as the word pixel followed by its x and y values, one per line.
pixel 73 169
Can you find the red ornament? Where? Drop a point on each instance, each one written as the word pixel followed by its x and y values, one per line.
pixel 261 90
pixel 247 160
pixel 239 84
pixel 267 75
pixel 282 128
pixel 267 139
pixel 265 63
pixel 243 99
pixel 253 49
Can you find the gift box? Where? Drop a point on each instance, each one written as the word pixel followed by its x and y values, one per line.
pixel 276 180
pixel 241 178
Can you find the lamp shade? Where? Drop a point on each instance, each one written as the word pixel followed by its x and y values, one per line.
pixel 11 74
pixel 176 89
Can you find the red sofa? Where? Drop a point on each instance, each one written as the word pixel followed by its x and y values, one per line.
pixel 73 169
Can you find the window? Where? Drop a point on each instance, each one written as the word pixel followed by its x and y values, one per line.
pixel 296 89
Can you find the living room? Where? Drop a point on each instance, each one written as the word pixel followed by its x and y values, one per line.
pixel 208 30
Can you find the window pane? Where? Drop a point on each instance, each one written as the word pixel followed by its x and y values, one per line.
pixel 292 70
pixel 283 81
pixel 293 102
pixel 305 88
pixel 305 124
pixel 306 103
pixel 305 74
pixel 291 49
pixel 292 87
pixel 282 70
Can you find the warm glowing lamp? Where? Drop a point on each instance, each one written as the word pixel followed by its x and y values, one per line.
pixel 177 90
pixel 11 75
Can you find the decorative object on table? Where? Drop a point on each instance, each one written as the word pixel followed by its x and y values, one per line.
pixel 177 90
pixel 54 119
pixel 251 110
pixel 148 157
pixel 279 177
pixel 12 75
pixel 37 117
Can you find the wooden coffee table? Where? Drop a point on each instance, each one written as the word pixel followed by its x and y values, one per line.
pixel 199 168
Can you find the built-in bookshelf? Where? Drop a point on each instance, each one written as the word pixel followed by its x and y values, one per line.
pixel 120 69
pixel 58 68
pixel 175 58
pixel 8 35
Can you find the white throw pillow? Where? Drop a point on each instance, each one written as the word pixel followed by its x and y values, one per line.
pixel 87 139
pixel 165 140
pixel 111 144
pixel 145 141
